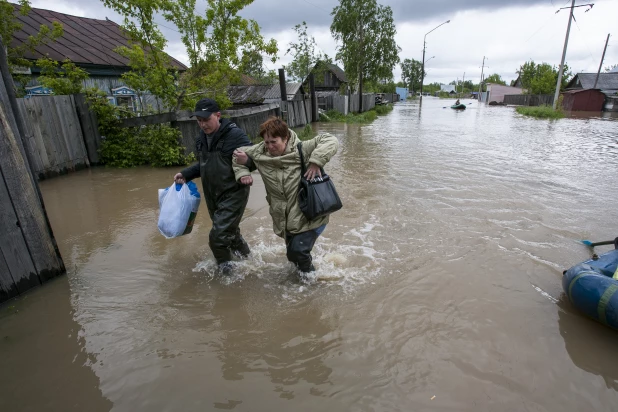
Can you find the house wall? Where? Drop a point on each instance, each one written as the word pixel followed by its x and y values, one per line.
pixel 330 81
pixel 497 92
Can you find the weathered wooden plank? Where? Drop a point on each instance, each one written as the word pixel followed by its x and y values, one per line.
pixel 62 145
pixel 148 120
pixel 25 200
pixel 45 128
pixel 8 289
pixel 62 139
pixel 89 126
pixel 35 121
pixel 13 249
pixel 74 136
pixel 77 133
pixel 29 139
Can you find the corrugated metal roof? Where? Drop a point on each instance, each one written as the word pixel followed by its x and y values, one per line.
pixel 290 88
pixel 607 81
pixel 85 41
pixel 248 94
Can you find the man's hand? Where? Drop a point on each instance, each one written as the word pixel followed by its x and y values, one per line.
pixel 313 171
pixel 179 178
pixel 240 156
pixel 246 180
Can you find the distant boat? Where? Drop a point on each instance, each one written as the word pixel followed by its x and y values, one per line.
pixel 459 106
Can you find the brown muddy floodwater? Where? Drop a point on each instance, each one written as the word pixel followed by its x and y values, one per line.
pixel 439 283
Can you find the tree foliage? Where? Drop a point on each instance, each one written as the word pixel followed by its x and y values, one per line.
pixel 412 73
pixel 151 68
pixel 63 78
pixel 541 78
pixel 495 79
pixel 220 44
pixel 305 56
pixel 365 32
pixel 611 68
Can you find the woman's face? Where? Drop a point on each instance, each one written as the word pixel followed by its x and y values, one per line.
pixel 275 145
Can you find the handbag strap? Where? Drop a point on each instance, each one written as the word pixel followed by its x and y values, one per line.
pixel 303 169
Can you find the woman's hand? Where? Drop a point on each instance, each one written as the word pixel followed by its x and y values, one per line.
pixel 246 180
pixel 313 171
pixel 240 157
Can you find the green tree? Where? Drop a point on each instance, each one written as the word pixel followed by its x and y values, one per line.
pixel 220 45
pixel 411 74
pixel 366 35
pixel 611 68
pixel 63 78
pixel 495 79
pixel 8 26
pixel 542 78
pixel 151 68
pixel 305 56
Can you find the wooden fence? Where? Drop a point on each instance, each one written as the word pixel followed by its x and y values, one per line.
pixel 529 99
pixel 61 134
pixel 297 113
pixel 334 102
pixel 28 251
pixel 369 102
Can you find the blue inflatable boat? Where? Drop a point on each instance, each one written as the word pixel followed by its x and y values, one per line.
pixel 592 289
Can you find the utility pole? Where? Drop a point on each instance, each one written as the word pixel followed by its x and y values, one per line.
pixel 462 83
pixel 564 49
pixel 481 82
pixel 601 64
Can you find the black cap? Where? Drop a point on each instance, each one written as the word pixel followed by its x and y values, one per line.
pixel 205 107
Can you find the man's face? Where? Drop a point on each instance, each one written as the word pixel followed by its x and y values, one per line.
pixel 210 125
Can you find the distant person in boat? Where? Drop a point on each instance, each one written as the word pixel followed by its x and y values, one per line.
pixel 278 161
pixel 457 102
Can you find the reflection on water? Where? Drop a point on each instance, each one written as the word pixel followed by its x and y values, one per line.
pixel 588 344
pixel 438 284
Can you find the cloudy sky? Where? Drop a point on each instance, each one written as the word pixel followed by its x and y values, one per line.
pixel 506 32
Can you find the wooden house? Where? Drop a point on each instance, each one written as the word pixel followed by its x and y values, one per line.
pixel 90 44
pixel 328 77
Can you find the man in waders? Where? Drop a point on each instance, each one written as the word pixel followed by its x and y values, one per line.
pixel 226 199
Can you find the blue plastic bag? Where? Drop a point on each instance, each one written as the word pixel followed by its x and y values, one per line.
pixel 178 206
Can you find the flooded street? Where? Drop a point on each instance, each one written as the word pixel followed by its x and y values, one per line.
pixel 438 284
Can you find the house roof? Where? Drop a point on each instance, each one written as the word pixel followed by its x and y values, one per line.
pixel 447 88
pixel 85 41
pixel 261 93
pixel 275 91
pixel 577 91
pixel 252 94
pixel 338 72
pixel 607 81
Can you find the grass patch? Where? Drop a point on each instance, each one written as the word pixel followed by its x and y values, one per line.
pixel 540 112
pixel 366 117
pixel 305 133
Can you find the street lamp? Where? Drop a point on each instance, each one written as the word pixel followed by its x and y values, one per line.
pixel 423 65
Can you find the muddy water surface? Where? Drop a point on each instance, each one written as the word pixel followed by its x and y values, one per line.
pixel 438 284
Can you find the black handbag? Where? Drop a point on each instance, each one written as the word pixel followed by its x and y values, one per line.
pixel 316 197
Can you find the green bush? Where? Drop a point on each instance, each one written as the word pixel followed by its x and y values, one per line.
pixel 540 112
pixel 156 145
pixel 383 109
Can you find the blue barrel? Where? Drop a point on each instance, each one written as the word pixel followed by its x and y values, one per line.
pixel 591 288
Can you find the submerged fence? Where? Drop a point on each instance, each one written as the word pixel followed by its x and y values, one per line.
pixel 529 99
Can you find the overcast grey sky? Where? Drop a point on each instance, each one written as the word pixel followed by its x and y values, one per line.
pixel 507 32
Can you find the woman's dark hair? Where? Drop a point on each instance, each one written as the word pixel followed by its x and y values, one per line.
pixel 275 127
